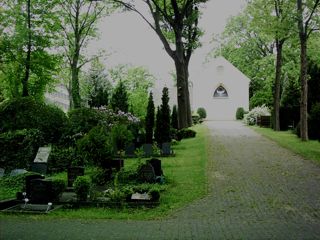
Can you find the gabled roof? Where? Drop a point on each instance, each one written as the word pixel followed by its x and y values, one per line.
pixel 227 67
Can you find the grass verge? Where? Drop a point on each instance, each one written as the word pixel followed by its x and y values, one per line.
pixel 186 177
pixel 309 150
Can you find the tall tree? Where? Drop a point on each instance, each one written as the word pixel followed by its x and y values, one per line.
pixel 308 20
pixel 274 18
pixel 119 99
pixel 28 32
pixel 150 119
pixel 96 86
pixel 138 82
pixel 78 23
pixel 176 23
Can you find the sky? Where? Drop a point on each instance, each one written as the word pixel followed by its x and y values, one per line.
pixel 129 40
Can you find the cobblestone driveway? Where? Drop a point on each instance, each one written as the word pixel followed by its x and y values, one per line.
pixel 258 190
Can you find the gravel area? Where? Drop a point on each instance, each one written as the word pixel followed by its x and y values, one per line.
pixel 257 190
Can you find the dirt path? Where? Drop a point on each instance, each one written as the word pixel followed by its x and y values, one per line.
pixel 258 191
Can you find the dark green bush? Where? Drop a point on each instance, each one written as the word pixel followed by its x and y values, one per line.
pixel 202 113
pixel 314 121
pixel 96 147
pixel 195 118
pixel 27 113
pixel 82 186
pixel 121 136
pixel 58 187
pixel 19 148
pixel 60 158
pixel 186 133
pixel 240 113
pixel 82 120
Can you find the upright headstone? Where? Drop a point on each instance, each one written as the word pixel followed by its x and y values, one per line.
pixel 41 191
pixel 1 172
pixel 39 164
pixel 156 164
pixel 73 173
pixel 166 149
pixel 147 149
pixel 117 163
pixel 28 180
pixel 129 150
pixel 146 173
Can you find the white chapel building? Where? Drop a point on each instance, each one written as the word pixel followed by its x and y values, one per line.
pixel 220 88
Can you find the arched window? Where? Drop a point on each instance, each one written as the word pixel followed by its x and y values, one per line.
pixel 220 92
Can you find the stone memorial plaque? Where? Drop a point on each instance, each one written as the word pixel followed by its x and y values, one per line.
pixel 42 155
pixel 73 173
pixel 146 173
pixel 16 172
pixel 140 196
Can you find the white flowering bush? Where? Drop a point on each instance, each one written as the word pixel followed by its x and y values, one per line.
pixel 251 117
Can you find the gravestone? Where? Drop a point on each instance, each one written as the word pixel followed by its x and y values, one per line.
pixel 156 164
pixel 146 173
pixel 73 173
pixel 28 180
pixel 166 149
pixel 41 191
pixel 147 149
pixel 117 163
pixel 16 172
pixel 40 168
pixel 39 164
pixel 1 172
pixel 129 150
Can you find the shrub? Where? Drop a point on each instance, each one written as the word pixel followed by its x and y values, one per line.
pixel 82 120
pixel 27 113
pixel 314 120
pixel 174 117
pixel 96 147
pixel 202 113
pixel 58 187
pixel 195 118
pixel 19 148
pixel 60 158
pixel 186 133
pixel 251 117
pixel 82 186
pixel 120 136
pixel 239 114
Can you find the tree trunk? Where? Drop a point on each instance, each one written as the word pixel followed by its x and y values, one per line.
pixel 277 86
pixel 75 88
pixel 304 90
pixel 303 73
pixel 25 91
pixel 184 111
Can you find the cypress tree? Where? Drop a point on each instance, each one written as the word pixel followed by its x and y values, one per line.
pixel 150 119
pixel 157 131
pixel 119 99
pixel 165 115
pixel 174 117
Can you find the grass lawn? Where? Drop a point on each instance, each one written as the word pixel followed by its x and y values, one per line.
pixel 186 177
pixel 309 150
